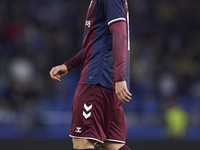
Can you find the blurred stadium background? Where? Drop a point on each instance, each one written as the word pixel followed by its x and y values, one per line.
pixel 36 35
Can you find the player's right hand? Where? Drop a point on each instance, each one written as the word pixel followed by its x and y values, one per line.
pixel 59 71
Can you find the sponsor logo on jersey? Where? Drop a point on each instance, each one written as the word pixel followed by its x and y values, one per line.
pixel 78 129
pixel 87 114
pixel 88 23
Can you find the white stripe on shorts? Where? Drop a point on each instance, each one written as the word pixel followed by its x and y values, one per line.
pixel 90 138
pixel 115 141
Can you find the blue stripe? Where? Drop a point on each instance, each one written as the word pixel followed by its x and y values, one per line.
pixel 95 67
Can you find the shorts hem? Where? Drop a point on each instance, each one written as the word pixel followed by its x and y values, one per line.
pixel 118 141
pixel 90 138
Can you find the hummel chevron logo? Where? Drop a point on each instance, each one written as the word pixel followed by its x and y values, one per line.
pixel 86 115
pixel 87 108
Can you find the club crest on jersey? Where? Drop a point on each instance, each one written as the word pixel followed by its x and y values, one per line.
pixel 88 23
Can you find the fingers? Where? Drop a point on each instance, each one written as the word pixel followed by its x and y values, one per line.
pixel 54 75
pixel 55 71
pixel 124 95
pixel 127 92
pixel 122 92
pixel 57 78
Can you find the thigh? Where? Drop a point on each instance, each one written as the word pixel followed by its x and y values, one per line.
pixel 118 128
pixel 87 117
pixel 107 145
pixel 114 125
pixel 97 115
pixel 79 143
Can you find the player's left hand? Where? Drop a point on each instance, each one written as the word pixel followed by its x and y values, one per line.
pixel 122 92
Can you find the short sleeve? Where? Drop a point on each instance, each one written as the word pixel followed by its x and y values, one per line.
pixel 113 10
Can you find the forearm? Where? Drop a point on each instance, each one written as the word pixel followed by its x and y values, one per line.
pixel 74 61
pixel 118 30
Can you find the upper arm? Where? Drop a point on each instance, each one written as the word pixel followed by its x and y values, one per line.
pixel 118 27
pixel 113 10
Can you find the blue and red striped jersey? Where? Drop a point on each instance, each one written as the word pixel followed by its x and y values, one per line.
pixel 97 62
pixel 97 52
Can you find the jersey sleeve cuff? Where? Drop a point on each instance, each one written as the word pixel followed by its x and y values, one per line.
pixel 117 19
pixel 69 67
pixel 119 79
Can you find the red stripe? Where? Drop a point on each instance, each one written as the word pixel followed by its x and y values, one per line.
pixel 90 33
